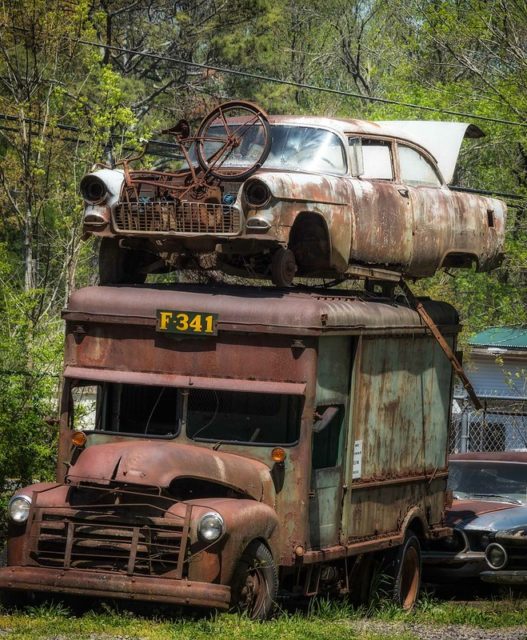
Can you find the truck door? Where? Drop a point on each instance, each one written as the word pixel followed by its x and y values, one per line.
pixel 328 439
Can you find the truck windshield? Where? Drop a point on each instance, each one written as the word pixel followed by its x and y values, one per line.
pixel 235 416
pixel 209 415
pixel 126 408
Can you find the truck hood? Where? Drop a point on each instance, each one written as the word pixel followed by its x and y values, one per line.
pixel 159 463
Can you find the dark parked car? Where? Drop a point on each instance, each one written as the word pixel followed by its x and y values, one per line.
pixel 489 516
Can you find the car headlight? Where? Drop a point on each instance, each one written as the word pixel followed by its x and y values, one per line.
pixel 496 556
pixel 93 189
pixel 18 508
pixel 211 526
pixel 257 193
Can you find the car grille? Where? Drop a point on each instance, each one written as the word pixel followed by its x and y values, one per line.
pixel 176 218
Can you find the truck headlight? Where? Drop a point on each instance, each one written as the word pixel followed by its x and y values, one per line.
pixel 211 526
pixel 18 508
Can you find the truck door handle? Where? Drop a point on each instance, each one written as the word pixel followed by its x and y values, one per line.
pixel 403 191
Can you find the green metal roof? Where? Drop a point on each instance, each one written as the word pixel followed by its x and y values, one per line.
pixel 501 337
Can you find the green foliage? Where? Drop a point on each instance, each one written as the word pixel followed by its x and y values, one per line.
pixel 463 55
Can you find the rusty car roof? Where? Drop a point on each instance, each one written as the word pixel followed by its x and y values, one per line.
pixel 246 308
pixel 442 140
pixel 345 126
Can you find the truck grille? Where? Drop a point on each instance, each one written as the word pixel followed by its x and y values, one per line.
pixel 97 541
pixel 110 528
pixel 176 218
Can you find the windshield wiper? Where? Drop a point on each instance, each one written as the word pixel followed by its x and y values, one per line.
pixel 495 495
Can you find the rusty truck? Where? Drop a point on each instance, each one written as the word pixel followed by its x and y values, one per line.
pixel 225 447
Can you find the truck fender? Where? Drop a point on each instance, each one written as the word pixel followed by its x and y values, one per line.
pixel 245 521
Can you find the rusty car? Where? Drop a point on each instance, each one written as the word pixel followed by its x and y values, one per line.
pixel 283 196
pixel 224 446
pixel 489 520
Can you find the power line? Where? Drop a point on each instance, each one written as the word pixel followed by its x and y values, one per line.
pixel 291 83
pixel 299 85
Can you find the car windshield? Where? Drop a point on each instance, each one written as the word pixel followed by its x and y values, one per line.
pixel 482 479
pixel 293 148
pixel 209 415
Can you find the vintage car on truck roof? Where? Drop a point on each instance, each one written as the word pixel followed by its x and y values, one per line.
pixel 219 444
pixel 284 196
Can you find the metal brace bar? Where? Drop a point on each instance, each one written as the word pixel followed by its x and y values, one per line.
pixel 69 545
pixel 456 365
pixel 133 551
pixel 183 545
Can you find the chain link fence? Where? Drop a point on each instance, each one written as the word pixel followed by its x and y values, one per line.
pixel 500 426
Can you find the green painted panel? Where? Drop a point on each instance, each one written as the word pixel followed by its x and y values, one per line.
pixel 398 428
pixel 334 369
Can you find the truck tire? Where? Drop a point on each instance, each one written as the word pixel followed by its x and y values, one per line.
pixel 119 266
pixel 406 572
pixel 255 583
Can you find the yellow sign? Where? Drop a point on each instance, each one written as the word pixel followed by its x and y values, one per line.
pixel 196 323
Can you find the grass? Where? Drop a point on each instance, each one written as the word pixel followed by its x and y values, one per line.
pixel 325 620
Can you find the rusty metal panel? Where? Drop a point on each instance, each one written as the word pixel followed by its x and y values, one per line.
pixel 382 225
pixel 245 308
pixel 399 420
pixel 333 369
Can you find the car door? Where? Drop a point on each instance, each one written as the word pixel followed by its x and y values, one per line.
pixel 433 209
pixel 382 214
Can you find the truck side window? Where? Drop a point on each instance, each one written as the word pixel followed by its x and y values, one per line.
pixel 326 443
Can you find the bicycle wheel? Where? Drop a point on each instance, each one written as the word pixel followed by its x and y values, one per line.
pixel 233 141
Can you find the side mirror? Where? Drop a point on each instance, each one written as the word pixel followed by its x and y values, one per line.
pixel 357 163
pixel 323 420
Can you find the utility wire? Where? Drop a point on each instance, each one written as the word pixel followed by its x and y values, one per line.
pixel 291 83
pixel 299 85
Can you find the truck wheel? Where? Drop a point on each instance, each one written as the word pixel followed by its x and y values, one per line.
pixel 283 267
pixel 119 266
pixel 407 573
pixel 255 582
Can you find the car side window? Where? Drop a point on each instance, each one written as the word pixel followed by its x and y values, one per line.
pixel 416 170
pixel 377 159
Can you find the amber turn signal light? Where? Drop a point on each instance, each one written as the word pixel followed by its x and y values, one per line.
pixel 79 438
pixel 278 454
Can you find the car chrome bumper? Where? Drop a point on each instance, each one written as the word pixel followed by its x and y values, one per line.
pixel 108 585
pixel 513 578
